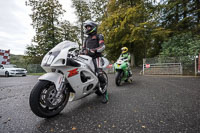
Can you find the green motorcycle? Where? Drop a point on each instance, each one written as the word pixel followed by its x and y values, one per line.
pixel 122 71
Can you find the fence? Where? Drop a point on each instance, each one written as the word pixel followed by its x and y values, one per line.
pixel 162 68
pixel 171 65
pixel 35 68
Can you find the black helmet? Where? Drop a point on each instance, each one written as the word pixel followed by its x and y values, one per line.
pixel 93 26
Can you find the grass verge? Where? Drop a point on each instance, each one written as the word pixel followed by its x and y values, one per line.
pixel 36 74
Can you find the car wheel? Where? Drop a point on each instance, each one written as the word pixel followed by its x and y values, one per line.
pixel 7 74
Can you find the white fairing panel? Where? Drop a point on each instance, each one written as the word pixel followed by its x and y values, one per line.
pixel 86 60
pixel 78 86
pixel 58 61
pixel 56 78
pixel 105 62
pixel 58 55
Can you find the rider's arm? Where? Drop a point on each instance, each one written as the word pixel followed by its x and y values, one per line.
pixel 84 45
pixel 83 51
pixel 101 44
pixel 122 56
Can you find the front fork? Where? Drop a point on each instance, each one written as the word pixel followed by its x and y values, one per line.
pixel 124 75
pixel 62 87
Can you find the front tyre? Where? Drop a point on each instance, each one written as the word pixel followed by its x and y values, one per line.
pixel 43 100
pixel 118 78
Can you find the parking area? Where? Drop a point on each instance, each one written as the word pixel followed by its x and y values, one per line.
pixel 149 104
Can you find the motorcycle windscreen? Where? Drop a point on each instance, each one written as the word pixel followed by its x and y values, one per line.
pixel 54 52
pixel 63 45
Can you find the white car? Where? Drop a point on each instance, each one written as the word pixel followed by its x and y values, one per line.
pixel 12 70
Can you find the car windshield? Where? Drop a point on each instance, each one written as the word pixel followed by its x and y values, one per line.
pixel 10 66
pixel 63 45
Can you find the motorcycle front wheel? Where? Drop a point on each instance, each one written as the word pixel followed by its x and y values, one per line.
pixel 118 78
pixel 43 100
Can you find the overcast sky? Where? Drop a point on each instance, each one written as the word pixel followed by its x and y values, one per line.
pixel 15 29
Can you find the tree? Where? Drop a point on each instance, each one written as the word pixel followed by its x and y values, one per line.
pixel 45 19
pixel 33 54
pixel 83 13
pixel 132 24
pixel 181 45
pixel 183 48
pixel 69 32
pixel 181 15
pixel 98 9
pixel 18 60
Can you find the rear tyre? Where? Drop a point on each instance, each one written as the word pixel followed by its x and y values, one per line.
pixel 98 92
pixel 7 74
pixel 43 101
pixel 118 78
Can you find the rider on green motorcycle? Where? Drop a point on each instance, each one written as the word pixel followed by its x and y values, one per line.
pixel 126 55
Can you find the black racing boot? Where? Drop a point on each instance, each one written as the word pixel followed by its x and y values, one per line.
pixel 102 81
pixel 105 97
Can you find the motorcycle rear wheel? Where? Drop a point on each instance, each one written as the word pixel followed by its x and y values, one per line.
pixel 98 92
pixel 43 102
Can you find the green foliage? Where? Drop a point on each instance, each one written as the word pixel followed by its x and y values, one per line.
pixel 184 47
pixel 34 68
pixel 82 10
pixel 181 45
pixel 33 54
pixel 36 74
pixel 69 32
pixel 180 15
pixel 134 25
pixel 18 60
pixel 140 25
pixel 143 25
pixel 45 20
pixel 83 13
pixel 98 9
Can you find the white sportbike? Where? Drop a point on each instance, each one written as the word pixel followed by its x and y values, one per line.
pixel 69 77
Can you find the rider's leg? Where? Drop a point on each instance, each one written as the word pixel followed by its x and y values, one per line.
pixel 100 74
pixel 95 66
pixel 101 78
pixel 129 70
pixel 105 97
pixel 130 73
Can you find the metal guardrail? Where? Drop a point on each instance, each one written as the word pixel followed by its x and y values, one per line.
pixel 163 68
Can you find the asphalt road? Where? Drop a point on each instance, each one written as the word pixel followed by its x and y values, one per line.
pixel 150 104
